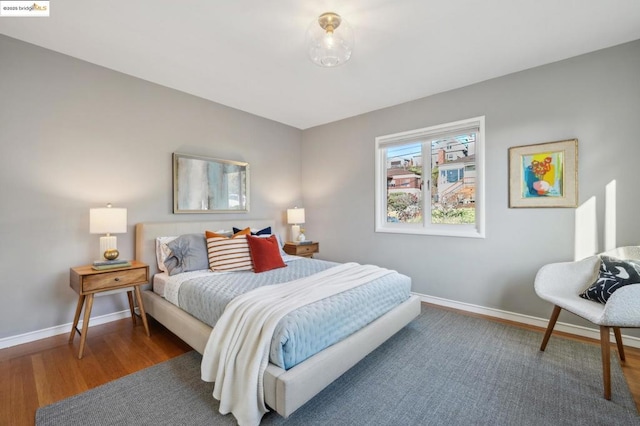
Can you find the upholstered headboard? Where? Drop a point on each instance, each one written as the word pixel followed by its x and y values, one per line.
pixel 147 232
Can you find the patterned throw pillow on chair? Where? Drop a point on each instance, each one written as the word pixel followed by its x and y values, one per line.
pixel 614 273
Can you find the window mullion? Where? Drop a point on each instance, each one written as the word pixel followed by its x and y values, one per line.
pixel 426 189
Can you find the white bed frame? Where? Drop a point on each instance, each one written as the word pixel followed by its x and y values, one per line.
pixel 285 390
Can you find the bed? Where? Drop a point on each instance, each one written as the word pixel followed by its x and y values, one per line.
pixel 284 390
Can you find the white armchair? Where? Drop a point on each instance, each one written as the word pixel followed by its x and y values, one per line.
pixel 561 284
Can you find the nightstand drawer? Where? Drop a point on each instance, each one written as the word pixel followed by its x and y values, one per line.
pixel 113 279
pixel 306 249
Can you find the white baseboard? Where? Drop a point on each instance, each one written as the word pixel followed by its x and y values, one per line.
pixel 7 342
pixel 578 330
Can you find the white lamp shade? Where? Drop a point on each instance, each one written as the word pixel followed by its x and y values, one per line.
pixel 295 216
pixel 107 220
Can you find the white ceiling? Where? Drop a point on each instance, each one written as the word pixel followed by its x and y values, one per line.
pixel 249 54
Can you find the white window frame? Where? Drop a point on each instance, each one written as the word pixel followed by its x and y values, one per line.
pixel 476 230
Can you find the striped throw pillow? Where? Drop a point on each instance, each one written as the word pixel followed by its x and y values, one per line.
pixel 229 254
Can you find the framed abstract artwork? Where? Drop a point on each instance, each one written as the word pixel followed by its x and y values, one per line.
pixel 544 175
pixel 209 185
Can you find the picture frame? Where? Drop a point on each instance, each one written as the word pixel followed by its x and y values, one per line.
pixel 544 175
pixel 209 185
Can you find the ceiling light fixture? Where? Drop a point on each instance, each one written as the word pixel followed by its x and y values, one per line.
pixel 329 40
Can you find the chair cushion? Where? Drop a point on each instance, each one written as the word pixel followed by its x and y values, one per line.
pixel 613 274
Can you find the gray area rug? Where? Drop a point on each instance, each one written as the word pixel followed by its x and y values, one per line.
pixel 442 369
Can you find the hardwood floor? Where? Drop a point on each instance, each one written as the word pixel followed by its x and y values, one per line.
pixel 42 372
pixel 48 370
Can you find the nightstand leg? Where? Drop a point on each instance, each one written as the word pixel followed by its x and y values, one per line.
pixel 85 324
pixel 131 307
pixel 76 318
pixel 142 312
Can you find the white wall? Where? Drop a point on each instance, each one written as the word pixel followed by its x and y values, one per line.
pixel 595 98
pixel 74 136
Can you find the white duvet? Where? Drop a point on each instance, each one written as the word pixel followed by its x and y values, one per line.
pixel 237 352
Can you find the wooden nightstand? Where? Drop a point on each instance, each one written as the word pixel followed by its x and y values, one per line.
pixel 304 250
pixel 86 282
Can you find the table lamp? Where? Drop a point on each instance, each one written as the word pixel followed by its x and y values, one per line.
pixel 295 217
pixel 108 220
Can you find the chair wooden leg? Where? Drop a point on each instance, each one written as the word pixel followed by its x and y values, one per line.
pixel 606 360
pixel 552 323
pixel 616 332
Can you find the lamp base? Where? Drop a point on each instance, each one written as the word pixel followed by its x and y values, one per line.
pixel 111 254
pixel 108 242
pixel 295 232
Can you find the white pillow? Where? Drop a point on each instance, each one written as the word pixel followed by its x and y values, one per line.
pixel 162 251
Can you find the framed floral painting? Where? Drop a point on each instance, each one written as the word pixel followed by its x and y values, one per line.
pixel 544 175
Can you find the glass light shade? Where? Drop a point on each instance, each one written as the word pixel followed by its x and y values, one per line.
pixel 295 216
pixel 107 220
pixel 329 40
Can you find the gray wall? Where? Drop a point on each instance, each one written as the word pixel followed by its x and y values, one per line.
pixel 75 136
pixel 595 98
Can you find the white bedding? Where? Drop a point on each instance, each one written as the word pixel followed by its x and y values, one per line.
pixel 164 284
pixel 159 281
pixel 172 285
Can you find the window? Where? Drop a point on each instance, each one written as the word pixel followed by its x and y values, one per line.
pixel 442 195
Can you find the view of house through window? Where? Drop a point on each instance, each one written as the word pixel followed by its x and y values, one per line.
pixel 430 177
pixel 451 180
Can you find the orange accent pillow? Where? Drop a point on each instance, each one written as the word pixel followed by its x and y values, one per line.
pixel 209 234
pixel 265 253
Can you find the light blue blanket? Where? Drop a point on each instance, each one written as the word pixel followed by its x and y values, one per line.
pixel 305 331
